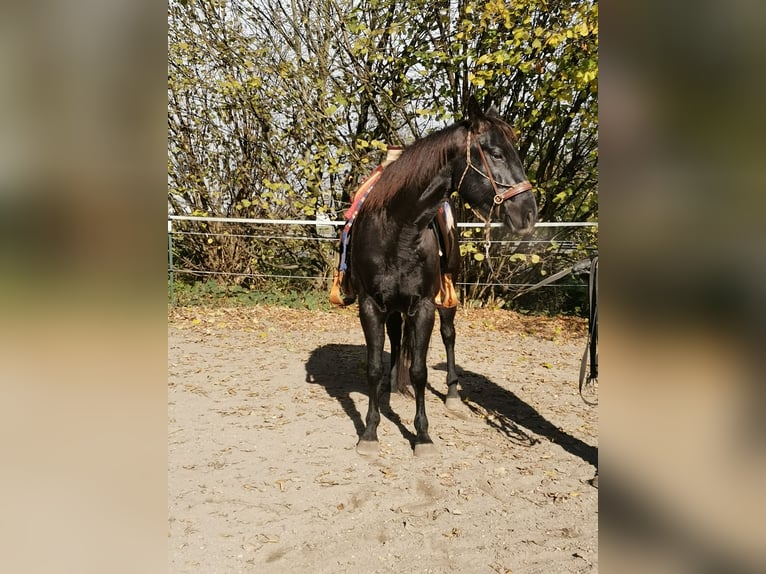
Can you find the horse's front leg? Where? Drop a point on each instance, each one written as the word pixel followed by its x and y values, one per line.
pixel 373 325
pixel 447 330
pixel 421 328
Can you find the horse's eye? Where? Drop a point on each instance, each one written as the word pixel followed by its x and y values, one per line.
pixel 496 154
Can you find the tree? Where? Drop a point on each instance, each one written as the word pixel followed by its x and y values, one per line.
pixel 278 109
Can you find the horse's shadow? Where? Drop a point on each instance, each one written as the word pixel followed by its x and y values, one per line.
pixel 513 417
pixel 341 370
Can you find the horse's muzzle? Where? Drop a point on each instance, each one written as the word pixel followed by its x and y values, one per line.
pixel 521 218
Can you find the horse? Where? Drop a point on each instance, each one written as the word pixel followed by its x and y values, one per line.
pixel 396 271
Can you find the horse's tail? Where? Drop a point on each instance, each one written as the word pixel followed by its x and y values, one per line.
pixel 403 382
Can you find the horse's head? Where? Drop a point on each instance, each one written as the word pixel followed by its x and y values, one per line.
pixel 490 177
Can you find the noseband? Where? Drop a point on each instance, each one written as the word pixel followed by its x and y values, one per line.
pixel 512 189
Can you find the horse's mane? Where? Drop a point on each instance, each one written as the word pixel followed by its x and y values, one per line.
pixel 416 167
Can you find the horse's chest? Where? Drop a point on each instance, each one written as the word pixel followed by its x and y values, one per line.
pixel 398 265
pixel 413 271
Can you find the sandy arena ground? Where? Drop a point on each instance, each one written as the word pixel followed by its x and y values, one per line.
pixel 265 406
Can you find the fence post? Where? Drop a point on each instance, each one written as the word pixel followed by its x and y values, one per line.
pixel 170 262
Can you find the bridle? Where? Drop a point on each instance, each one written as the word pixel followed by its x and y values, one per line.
pixel 512 189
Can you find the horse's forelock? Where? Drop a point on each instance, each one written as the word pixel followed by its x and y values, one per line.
pixel 506 130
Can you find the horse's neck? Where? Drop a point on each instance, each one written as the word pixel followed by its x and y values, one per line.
pixel 419 204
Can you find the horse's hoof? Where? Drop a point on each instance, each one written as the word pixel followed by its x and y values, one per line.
pixel 367 447
pixel 425 449
pixel 453 404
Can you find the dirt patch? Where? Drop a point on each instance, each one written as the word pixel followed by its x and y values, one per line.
pixel 265 409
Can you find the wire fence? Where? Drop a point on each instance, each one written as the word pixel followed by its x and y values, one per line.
pixel 325 231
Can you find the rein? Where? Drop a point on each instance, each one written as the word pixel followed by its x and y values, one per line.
pixel 512 190
pixel 591 347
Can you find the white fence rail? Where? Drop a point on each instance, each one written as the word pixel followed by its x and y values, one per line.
pixel 324 223
pixel 321 222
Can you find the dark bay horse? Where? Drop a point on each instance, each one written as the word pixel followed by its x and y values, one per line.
pixel 396 271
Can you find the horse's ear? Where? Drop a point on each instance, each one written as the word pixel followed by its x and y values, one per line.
pixel 475 114
pixel 492 112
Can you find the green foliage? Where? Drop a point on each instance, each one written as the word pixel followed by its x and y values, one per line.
pixel 279 109
pixel 212 293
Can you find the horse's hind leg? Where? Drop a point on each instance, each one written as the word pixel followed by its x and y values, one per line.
pixel 421 328
pixel 394 329
pixel 447 330
pixel 374 334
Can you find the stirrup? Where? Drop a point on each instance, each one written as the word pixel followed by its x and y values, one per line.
pixel 335 298
pixel 446 298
